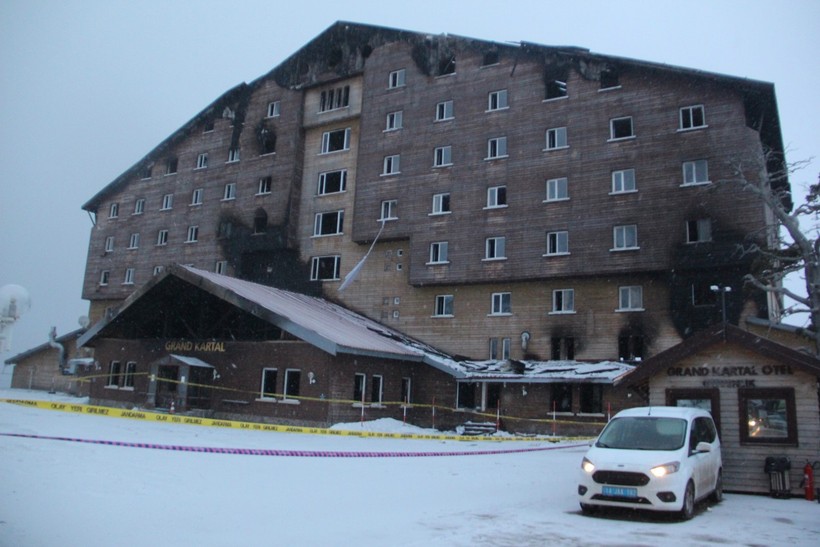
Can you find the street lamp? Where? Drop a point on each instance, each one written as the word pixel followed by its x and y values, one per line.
pixel 722 291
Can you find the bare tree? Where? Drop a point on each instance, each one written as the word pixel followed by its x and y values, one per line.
pixel 795 248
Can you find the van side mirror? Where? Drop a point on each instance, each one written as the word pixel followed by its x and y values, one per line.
pixel 703 447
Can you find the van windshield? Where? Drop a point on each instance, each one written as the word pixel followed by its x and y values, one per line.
pixel 643 433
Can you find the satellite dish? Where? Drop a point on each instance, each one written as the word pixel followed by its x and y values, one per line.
pixel 84 321
pixel 14 302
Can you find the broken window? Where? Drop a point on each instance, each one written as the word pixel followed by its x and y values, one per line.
pixel 610 78
pixel 563 348
pixel 225 229
pixel 630 347
pixel 490 58
pixel 703 295
pixel 331 99
pixel 447 65
pixel 698 231
pixel 146 172
pixel 171 165
pixel 621 128
pixel 328 223
pixel 260 221
pixel 325 268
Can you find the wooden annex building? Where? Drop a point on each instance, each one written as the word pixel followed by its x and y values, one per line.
pixel 763 396
pixel 229 348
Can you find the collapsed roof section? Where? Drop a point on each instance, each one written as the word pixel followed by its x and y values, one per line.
pixel 342 50
pixel 185 302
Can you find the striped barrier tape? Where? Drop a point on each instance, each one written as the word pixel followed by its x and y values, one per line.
pixel 288 453
pixel 255 426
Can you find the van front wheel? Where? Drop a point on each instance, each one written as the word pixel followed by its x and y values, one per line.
pixel 687 510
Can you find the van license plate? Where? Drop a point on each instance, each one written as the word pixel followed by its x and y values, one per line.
pixel 619 492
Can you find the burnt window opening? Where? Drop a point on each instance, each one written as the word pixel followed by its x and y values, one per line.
pixel 465 395
pixel 447 66
pixel 331 99
pixel 610 78
pixel 556 89
pixel 267 141
pixel 703 295
pixel 592 399
pixel 224 230
pixel 493 395
pixel 145 172
pixel 490 58
pixel 335 57
pixel 561 398
pixel 630 347
pixel 260 221
pixel 209 126
pixel 563 348
pixel 171 165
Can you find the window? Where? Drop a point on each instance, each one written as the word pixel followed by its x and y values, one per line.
pixel 698 231
pixel 396 79
pixel 376 389
pixel 447 65
pixel 630 298
pixel 494 248
pixel 444 111
pixel 224 229
pixel 394 121
pixel 265 184
pixel 389 210
pixel 134 241
pixel 202 161
pixel 208 127
pixel 695 172
pixel 221 267
pixel 610 78
pixel 620 128
pixel 556 89
pixel 359 382
pixel 441 204
pixel 556 138
pixel 505 343
pixel 496 196
pixel 196 196
pixel 128 279
pixel 260 221
pixel 114 210
pixel 193 234
pixel 630 347
pixel 109 244
pixel 563 348
pixel 557 189
pixel 268 388
pixel 162 238
pixel 113 379
pixel 501 303
pixel 443 156
pixel 332 182
pixel 444 305
pixel 273 109
pixel 490 58
pixel 561 398
pixel 767 416
pixel 623 181
pixel 392 165
pixel 139 206
pixel 692 117
pixel 438 252
pixel 171 165
pixel 325 268
pixel 625 237
pixel 105 275
pixel 331 99
pixel 293 378
pixel 465 395
pixel 335 141
pixel 266 140
pixel 328 223
pixel 707 399
pixel 406 392
pixel 158 270
pixel 230 192
pixel 167 202
pixel 128 375
pixel 233 155
pixel 592 399
pixel 563 301
pixel 497 100
pixel 145 173
pixel 496 148
pixel 557 243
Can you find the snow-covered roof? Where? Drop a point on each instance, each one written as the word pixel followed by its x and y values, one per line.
pixel 543 371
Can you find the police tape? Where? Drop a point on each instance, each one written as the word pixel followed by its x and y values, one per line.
pixel 160 417
pixel 288 453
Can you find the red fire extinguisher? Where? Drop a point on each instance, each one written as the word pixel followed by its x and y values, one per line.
pixel 808 480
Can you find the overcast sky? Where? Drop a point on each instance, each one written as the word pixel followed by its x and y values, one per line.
pixel 88 87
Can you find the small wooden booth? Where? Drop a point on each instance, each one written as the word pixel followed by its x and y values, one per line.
pixel 762 395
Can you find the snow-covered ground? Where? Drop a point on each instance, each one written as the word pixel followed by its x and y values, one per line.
pixel 65 493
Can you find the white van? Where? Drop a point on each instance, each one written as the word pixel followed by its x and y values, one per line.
pixel 657 458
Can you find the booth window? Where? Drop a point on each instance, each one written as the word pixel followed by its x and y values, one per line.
pixel 706 398
pixel 767 416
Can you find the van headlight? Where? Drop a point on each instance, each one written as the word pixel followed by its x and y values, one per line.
pixel 587 465
pixel 665 469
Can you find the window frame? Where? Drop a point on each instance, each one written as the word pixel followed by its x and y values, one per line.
pixel 439 202
pixel 702 228
pixel 233 155
pixel 128 278
pixel 397 78
pixel 442 156
pixel 439 253
pixel 109 244
pixel 287 391
pixel 134 241
pixel 221 267
pixel 162 238
pixel 316 267
pixel 139 206
pixel 691 167
pixel 197 196
pixel 334 98
pixel 444 303
pixel 493 251
pixel 268 395
pixel 688 112
pixel 201 161
pixel 359 387
pixel 318 224
pixel 495 147
pixel 193 234
pixel 105 278
pixel 501 304
pixel 327 141
pixel 322 188
pixel 561 304
pixel 631 292
pixel 556 184
pixel 274 109
pixel 442 109
pixel 376 389
pixel 622 233
pixel 112 380
pixel 391 165
pixel 391 205
pixel 265 186
pixel 114 210
pixel 555 241
pixel 497 197
pixel 616 127
pixel 167 202
pixel 620 181
pixel 787 394
pixel 229 193
pixel 555 136
pixel 498 100
pixel 394 121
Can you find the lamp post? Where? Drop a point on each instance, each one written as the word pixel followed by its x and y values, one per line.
pixel 722 290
